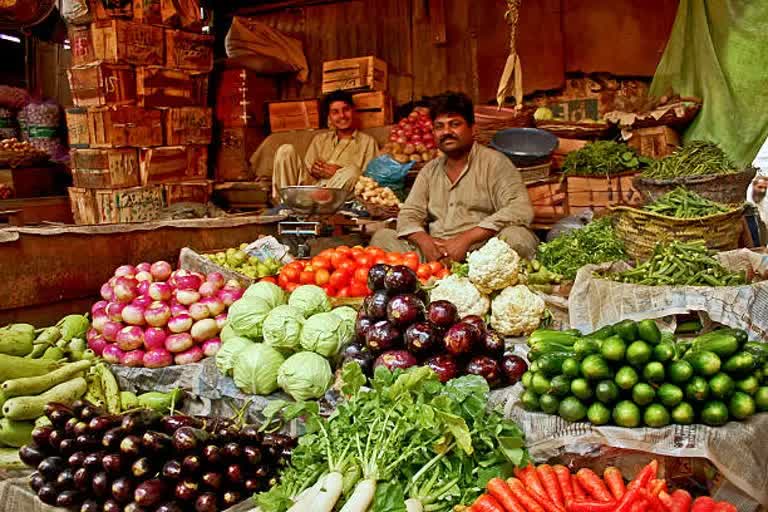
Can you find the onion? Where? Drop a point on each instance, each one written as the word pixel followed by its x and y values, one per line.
pixel 158 358
pixel 198 311
pixel 130 338
pixel 229 297
pixel 110 330
pixel 157 314
pixel 144 266
pixel 204 329
pixel 221 320
pixel 143 301
pixel 115 311
pixel 187 297
pixel 154 337
pixel 144 275
pixel 217 278
pixel 143 287
pixel 211 347
pixel 112 354
pixel 180 323
pixel 189 282
pixel 160 270
pixel 177 309
pixel 233 284
pixel 214 304
pixel 133 358
pixel 101 305
pixel 100 318
pixel 176 273
pixel 160 291
pixel 190 356
pixel 97 344
pixel 126 289
pixel 133 315
pixel 125 270
pixel 106 292
pixel 178 342
pixel 208 289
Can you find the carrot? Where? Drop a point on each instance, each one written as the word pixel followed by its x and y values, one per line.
pixel 485 503
pixel 631 497
pixel 724 506
pixel 523 496
pixel 657 485
pixel 640 505
pixel 653 502
pixel 593 485
pixel 703 504
pixel 564 480
pixel 578 490
pixel 645 475
pixel 499 489
pixel 549 479
pixel 530 478
pixel 591 506
pixel 615 482
pixel 682 500
pixel 667 502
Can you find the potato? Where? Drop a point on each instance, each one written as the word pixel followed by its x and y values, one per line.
pixel 401 158
pixel 409 149
pixel 415 158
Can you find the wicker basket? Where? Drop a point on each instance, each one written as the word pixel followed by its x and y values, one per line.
pixel 570 130
pixel 642 230
pixel 678 115
pixel 489 120
pixel 723 188
pixel 377 211
pixel 535 172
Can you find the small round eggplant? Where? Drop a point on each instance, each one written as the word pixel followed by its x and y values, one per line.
pixel 487 368
pixel 212 480
pixel 141 468
pixel 55 439
pixel 112 506
pixel 101 485
pixel 442 313
pixel 232 451
pixel 492 343
pixel 76 459
pixel 156 442
pixel 513 368
pixel 401 279
pixel 80 428
pixel 231 498
pixel 375 305
pixel 170 424
pixel 92 461
pixel 186 490
pixel 393 359
pixel 134 507
pixel 475 320
pixel 36 481
pixel 150 492
pixel 69 426
pixel 251 434
pixel 191 465
pixel 171 470
pixel 206 502
pixel 169 506
pixel 376 275
pixel 82 479
pixel 461 339
pixel 57 413
pixel 90 506
pixel 130 446
pixel 68 499
pixel 212 454
pixel 122 490
pixel 48 494
pixel 187 439
pixel 444 366
pixel 383 336
pixel 362 324
pixel 40 435
pixel 252 455
pixel 234 474
pixel 65 480
pixel 405 309
pixel 112 438
pixel 421 339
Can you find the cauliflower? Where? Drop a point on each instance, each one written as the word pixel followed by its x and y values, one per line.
pixel 494 266
pixel 516 311
pixel 459 290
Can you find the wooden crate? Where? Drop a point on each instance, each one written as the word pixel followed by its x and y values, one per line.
pixel 654 142
pixel 294 115
pixel 173 163
pixel 108 206
pixel 187 192
pixel 125 126
pixel 187 14
pixel 126 42
pixel 77 127
pixel 164 87
pixel 188 51
pixel 98 84
pixel 600 192
pixel 102 12
pixel 549 200
pixel 373 109
pixel 188 125
pixel 200 83
pixel 240 98
pixel 565 146
pixel 81 44
pixel 234 149
pixel 105 168
pixel 363 73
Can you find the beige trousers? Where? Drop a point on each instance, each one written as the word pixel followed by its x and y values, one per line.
pixel 520 238
pixel 290 170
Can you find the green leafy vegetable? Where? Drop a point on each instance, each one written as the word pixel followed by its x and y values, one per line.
pixel 269 292
pixel 255 369
pixel 305 376
pixel 603 158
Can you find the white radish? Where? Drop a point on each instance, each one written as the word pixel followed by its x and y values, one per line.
pixel 329 493
pixel 307 497
pixel 413 505
pixel 361 497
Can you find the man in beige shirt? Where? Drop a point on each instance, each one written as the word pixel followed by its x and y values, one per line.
pixel 463 198
pixel 335 159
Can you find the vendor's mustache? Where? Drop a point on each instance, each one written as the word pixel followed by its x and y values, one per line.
pixel 448 137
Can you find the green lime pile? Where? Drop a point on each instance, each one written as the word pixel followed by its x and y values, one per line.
pixel 238 260
pixel 631 375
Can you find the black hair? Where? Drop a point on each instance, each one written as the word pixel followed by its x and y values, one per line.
pixel 337 95
pixel 452 103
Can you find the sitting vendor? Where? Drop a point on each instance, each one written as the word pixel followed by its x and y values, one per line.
pixel 463 198
pixel 335 159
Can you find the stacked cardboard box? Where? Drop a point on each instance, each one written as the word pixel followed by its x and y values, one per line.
pixel 140 129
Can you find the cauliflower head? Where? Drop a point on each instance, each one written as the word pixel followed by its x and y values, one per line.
pixel 464 295
pixel 517 311
pixel 494 266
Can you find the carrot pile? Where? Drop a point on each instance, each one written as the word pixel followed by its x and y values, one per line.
pixel 546 488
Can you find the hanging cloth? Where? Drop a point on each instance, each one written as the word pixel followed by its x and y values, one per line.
pixel 512 76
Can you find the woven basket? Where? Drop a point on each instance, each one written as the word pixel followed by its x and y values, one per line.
pixel 377 211
pixel 489 120
pixel 535 172
pixel 569 130
pixel 642 230
pixel 723 188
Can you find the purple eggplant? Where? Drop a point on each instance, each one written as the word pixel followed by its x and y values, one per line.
pixel 48 494
pixel 170 424
pixel 513 367
pixel 91 506
pixel 134 507
pixel 171 470
pixel 401 279
pixel 65 480
pixel 212 480
pixel 122 490
pixel 82 479
pixel 359 354
pixel 130 445
pixel 112 505
pixel 141 468
pixel 206 502
pixel 252 455
pixel 362 324
pixel 461 339
pixel 375 305
pixel 212 454
pixel 393 359
pixel 444 366
pixel 31 455
pixel 156 442
pixel 50 468
pixel 76 459
pixel 169 506
pixel 405 309
pixel 55 439
pixel 68 499
pixel 376 276
pixel 112 438
pixel 231 498
pixel 191 465
pixel 251 434
pixel 442 313
pixel 492 343
pixel 187 439
pixel 475 320
pixel 101 485
pixel 36 481
pixel 57 413
pixel 234 474
pixel 421 339
pixel 232 451
pixel 40 435
pixel 150 492
pixel 186 490
pixel 487 368
pixel 383 336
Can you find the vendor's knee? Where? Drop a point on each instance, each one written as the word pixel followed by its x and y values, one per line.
pixel 285 151
pixel 384 237
pixel 347 175
pixel 521 239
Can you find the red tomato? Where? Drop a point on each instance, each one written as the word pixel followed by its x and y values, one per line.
pixel 411 254
pixel 307 277
pixel 290 273
pixel 343 249
pixel 394 258
pixel 380 259
pixel 441 273
pixel 291 287
pixel 435 266
pixel 339 279
pixel 329 290
pixel 322 276
pixel 374 251
pixel 326 253
pixel 321 262
pixel 424 272
pixel 343 292
pixel 364 260
pixel 337 259
pixel 361 275
pixel 347 266
pixel 411 263
pixel 357 289
pixel 283 280
pixel 356 252
pixel 269 279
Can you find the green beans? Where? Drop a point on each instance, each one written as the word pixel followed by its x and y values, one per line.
pixel 680 264
pixel 684 204
pixel 697 158
pixel 603 158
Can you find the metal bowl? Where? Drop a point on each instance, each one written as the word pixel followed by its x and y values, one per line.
pixel 526 147
pixel 312 200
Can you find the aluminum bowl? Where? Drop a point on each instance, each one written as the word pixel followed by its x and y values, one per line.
pixel 526 147
pixel 313 200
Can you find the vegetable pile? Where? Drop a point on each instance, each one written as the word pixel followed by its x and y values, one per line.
pixel 412 140
pixel 681 203
pixel 631 374
pixel 250 266
pixel 273 341
pixel 396 329
pixel 152 316
pixel 696 158
pixel 603 158
pixel 591 245
pixel 555 489
pixel 369 191
pixel 407 443
pixel 142 460
pixel 680 264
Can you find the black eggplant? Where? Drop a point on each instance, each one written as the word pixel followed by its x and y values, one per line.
pixel 112 438
pixel 50 468
pixel 48 494
pixel 252 455
pixel 122 490
pixel 76 459
pixel 187 439
pixel 138 420
pixel 376 276
pixel 150 492
pixel 232 451
pixel 186 490
pixel 206 502
pixel 171 470
pixel 101 485
pixel 57 413
pixel 82 479
pixel 231 498
pixel 40 435
pixel 55 439
pixel 234 474
pixel 212 454
pixel 212 480
pixel 65 480
pixel 91 506
pixel 191 465
pixel 130 445
pixel 113 463
pixel 68 499
pixel 31 455
pixel 141 468
pixel 112 505
pixel 170 506
pixel 170 424
pixel 156 442
pixel 36 481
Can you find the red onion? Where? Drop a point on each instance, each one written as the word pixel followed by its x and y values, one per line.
pixel 143 301
pixel 133 315
pixel 214 304
pixel 187 297
pixel 101 305
pixel 133 358
pixel 110 330
pixel 204 330
pixel 178 309
pixel 100 318
pixel 190 356
pixel 180 323
pixel 130 338
pixel 97 344
pixel 106 292
pixel 160 291
pixel 188 282
pixel 199 310
pixel 211 347
pixel 143 287
pixel 221 321
pixel 178 342
pixel 144 266
pixel 158 358
pixel 154 337
pixel 157 314
pixel 216 278
pixel 115 311
pixel 229 297
pixel 125 270
pixel 126 289
pixel 208 289
pixel 161 270
pixel 112 354
pixel 91 333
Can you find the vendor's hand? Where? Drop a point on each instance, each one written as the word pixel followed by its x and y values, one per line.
pixel 455 248
pixel 330 169
pixel 318 169
pixel 428 246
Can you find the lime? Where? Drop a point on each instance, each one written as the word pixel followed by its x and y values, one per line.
pixel 571 367
pixel 643 394
pixel 626 378
pixel 626 414
pixel 714 413
pixel 750 385
pixel 679 372
pixel 530 400
pixel 683 414
pixel 571 409
pixel 581 389
pixel 656 416
pixel 761 399
pixel 598 414
pixel 594 367
pixel 721 386
pixel 697 390
pixel 559 386
pixel 654 372
pixel 607 391
pixel 669 394
pixel 638 353
pixel 526 379
pixel 663 352
pixel 613 348
pixel 540 384
pixel 741 406
pixel 549 404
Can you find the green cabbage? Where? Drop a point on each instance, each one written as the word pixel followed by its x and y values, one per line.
pixel 309 299
pixel 225 357
pixel 348 317
pixel 270 292
pixel 246 316
pixel 255 369
pixel 305 376
pixel 227 332
pixel 346 313
pixel 282 328
pixel 325 334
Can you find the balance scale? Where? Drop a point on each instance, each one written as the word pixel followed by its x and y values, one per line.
pixel 309 209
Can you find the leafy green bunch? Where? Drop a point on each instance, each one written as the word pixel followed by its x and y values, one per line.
pixel 603 158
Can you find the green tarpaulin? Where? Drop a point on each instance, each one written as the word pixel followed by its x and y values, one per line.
pixel 718 51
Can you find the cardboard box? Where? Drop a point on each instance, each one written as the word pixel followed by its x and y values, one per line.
pixel 173 164
pixel 125 126
pixel 105 168
pixel 361 73
pixel 98 84
pixel 126 42
pixel 294 115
